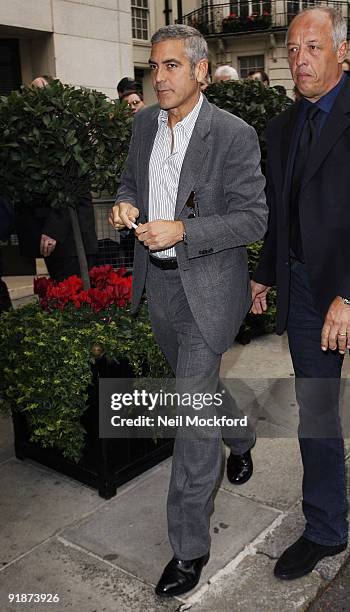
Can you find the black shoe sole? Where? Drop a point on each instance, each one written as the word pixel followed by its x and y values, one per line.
pixel 305 572
pixel 181 591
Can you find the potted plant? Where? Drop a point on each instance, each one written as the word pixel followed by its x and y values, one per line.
pixel 52 354
pixel 59 142
pixel 231 23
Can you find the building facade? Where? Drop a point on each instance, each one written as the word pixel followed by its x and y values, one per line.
pixel 82 42
pixel 94 43
pixel 250 34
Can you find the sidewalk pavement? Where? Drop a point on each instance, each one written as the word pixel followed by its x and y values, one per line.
pixel 57 536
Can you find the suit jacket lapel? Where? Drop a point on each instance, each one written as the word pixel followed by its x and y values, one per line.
pixel 145 154
pixel 196 152
pixel 288 155
pixel 337 122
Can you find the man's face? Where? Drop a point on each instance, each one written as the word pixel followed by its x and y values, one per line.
pixel 173 83
pixel 134 102
pixel 313 62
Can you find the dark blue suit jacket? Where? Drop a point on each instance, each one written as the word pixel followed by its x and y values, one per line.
pixel 324 209
pixel 6 219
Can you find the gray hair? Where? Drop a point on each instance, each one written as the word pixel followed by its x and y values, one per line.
pixel 227 71
pixel 195 44
pixel 339 25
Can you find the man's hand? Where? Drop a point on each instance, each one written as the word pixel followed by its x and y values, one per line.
pixel 122 215
pixel 160 235
pixel 336 328
pixel 47 245
pixel 259 295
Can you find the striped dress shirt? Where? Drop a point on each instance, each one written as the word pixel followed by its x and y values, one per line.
pixel 165 167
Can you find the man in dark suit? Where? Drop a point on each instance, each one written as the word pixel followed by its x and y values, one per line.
pixel 306 254
pixel 47 232
pixel 193 183
pixel 6 225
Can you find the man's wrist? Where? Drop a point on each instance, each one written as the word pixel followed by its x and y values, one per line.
pixel 182 232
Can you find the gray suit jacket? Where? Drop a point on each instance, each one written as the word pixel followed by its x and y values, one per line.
pixel 222 167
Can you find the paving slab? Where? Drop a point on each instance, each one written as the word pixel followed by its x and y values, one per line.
pixel 35 503
pixel 288 531
pixel 251 587
pixel 265 356
pixel 273 482
pixel 82 582
pixel 335 597
pixel 131 530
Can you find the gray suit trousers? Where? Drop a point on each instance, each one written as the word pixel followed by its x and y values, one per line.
pixel 197 458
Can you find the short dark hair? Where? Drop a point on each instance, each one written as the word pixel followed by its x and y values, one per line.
pixel 126 84
pixel 195 44
pixel 264 75
pixel 127 93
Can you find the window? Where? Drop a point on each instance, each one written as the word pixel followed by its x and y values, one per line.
pixel 251 62
pixel 139 19
pixel 10 71
pixel 244 8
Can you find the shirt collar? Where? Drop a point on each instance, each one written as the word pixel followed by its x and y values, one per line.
pixel 187 122
pixel 326 102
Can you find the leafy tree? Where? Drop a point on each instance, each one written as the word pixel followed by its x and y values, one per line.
pixel 58 143
pixel 251 101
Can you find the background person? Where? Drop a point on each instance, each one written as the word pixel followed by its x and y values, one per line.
pixel 225 73
pixel 126 84
pixel 134 101
pixel 306 253
pixel 259 75
pixel 6 226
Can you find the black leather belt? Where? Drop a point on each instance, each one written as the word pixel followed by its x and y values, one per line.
pixel 170 263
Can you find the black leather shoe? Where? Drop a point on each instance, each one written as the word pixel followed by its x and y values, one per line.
pixel 301 558
pixel 180 576
pixel 239 467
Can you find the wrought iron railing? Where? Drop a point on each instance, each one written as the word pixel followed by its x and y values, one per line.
pixel 115 248
pixel 242 16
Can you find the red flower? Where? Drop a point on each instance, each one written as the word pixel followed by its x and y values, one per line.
pixel 108 287
pixel 41 284
pixel 99 275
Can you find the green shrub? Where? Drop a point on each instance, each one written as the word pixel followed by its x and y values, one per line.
pixel 57 142
pixel 45 362
pixel 251 101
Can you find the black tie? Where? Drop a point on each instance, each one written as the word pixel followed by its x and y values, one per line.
pixel 307 140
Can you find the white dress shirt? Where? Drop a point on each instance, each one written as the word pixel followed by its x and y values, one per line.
pixel 165 166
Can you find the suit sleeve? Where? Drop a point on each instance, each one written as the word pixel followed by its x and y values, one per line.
pixel 57 225
pixel 246 217
pixel 265 272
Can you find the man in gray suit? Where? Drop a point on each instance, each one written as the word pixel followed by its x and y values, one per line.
pixel 193 183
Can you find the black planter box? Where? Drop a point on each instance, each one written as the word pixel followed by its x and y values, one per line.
pixel 106 463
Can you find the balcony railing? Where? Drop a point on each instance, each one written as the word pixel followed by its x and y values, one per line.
pixel 245 16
